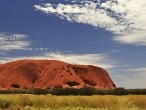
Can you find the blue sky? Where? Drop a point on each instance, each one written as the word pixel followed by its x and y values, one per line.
pixel 106 33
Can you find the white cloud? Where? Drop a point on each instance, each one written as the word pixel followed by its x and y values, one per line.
pixel 87 14
pixel 132 38
pixel 100 60
pixel 124 18
pixel 13 41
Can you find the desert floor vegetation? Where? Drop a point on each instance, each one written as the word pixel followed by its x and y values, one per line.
pixel 49 102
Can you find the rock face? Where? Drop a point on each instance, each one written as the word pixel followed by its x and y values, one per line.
pixel 45 74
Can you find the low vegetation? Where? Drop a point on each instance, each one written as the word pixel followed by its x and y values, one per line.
pixel 49 102
pixel 72 91
pixel 73 99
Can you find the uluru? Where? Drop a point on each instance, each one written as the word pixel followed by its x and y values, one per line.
pixel 45 74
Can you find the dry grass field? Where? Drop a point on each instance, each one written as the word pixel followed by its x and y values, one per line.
pixel 49 102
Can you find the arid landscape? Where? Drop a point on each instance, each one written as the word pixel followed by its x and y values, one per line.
pixel 56 85
pixel 72 54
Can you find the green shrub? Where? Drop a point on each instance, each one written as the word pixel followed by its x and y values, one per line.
pixel 4 103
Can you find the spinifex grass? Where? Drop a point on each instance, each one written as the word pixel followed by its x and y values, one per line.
pixel 48 102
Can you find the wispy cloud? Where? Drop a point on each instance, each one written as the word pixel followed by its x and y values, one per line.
pixel 2 53
pixel 10 41
pixel 136 78
pixel 100 60
pixel 138 70
pixel 124 18
pixel 41 49
pixel 129 77
pixel 133 81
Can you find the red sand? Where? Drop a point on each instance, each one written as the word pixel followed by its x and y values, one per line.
pixel 30 74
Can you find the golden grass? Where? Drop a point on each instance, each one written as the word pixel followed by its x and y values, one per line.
pixel 48 102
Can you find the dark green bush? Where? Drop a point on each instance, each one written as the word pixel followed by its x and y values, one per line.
pixel 40 91
pixel 120 91
pixel 73 91
pixel 87 91
pixel 63 91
